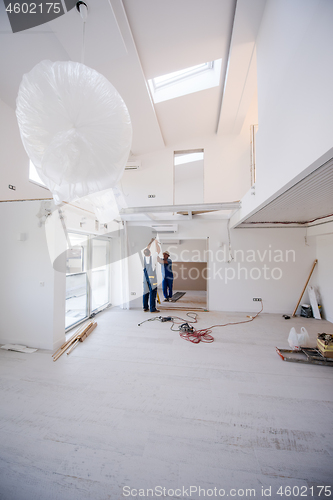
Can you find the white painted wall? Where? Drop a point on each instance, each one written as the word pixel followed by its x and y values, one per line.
pixel 269 263
pixel 226 170
pixel 322 237
pixel 189 183
pixel 324 274
pixel 187 250
pixel 295 105
pixel 272 264
pixel 14 162
pixel 31 314
pixel 154 177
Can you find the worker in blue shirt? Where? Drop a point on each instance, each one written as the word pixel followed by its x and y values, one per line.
pixel 167 274
pixel 150 279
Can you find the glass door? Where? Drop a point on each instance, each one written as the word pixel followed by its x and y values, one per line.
pixel 87 277
pixel 100 279
pixel 77 289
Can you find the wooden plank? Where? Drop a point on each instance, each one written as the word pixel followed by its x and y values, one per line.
pixel 91 329
pixel 76 343
pixel 306 284
pixel 79 330
pixel 72 340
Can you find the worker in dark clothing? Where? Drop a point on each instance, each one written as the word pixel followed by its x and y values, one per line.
pixel 149 279
pixel 167 274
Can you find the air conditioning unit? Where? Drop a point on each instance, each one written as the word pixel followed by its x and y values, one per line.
pixel 165 228
pixel 133 165
pixel 169 241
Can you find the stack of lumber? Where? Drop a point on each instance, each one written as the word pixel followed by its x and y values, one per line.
pixel 79 336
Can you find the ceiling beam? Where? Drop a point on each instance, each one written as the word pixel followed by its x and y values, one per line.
pixel 150 216
pixel 203 207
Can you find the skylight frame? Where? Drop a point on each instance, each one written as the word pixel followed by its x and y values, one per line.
pixel 164 81
pixel 188 81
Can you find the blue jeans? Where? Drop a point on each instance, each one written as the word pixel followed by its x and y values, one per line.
pixel 152 296
pixel 167 287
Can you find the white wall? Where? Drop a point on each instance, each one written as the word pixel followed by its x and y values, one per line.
pixel 226 170
pixel 31 314
pixel 322 237
pixel 324 274
pixel 189 182
pixel 281 261
pixel 14 162
pixel 295 105
pixel 272 264
pixel 189 250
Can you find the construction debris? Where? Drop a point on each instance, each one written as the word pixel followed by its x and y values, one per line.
pixel 325 344
pixel 306 284
pixel 79 336
pixel 176 296
pixel 304 355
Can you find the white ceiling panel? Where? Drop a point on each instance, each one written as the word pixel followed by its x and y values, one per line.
pixel 192 116
pixel 176 34
pixel 308 200
pixel 129 41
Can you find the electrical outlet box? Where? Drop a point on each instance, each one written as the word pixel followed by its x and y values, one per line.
pixel 152 196
pixel 133 293
pixel 256 299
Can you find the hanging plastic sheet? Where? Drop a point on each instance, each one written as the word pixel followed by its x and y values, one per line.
pixel 75 128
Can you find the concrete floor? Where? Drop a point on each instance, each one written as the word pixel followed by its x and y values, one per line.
pixel 140 407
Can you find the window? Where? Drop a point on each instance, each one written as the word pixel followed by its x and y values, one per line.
pixel 189 177
pixel 188 157
pixel 163 81
pixel 87 277
pixel 33 175
pixel 186 81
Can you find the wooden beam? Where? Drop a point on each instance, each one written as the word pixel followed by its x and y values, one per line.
pixel 306 284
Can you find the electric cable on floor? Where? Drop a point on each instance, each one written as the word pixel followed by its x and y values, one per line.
pixel 204 335
pixel 187 332
pixel 172 318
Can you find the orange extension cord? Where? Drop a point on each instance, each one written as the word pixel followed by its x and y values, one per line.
pixel 189 333
pixel 204 335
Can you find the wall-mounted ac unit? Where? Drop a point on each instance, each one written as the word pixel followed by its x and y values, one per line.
pixel 133 165
pixel 169 241
pixel 165 228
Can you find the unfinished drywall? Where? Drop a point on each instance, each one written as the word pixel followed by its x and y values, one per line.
pixel 295 106
pixel 32 293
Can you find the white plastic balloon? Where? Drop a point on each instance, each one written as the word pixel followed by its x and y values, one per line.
pixel 75 128
pixel 105 205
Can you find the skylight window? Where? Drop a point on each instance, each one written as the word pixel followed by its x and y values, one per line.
pixel 188 157
pixel 162 81
pixel 187 81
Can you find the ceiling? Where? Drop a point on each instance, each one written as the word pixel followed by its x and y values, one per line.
pixel 308 201
pixel 131 41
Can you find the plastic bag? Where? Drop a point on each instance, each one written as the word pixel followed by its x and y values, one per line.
pixel 298 340
pixel 75 128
